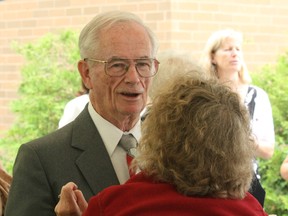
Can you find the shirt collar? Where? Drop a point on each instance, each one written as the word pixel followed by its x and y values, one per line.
pixel 109 133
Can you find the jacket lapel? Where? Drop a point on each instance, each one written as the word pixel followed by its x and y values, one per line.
pixel 94 162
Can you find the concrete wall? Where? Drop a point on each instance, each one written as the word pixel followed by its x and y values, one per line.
pixel 179 24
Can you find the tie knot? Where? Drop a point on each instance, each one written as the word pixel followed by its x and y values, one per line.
pixel 128 143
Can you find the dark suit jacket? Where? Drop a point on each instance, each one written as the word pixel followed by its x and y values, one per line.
pixel 74 153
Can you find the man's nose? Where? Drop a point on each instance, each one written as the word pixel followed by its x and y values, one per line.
pixel 132 74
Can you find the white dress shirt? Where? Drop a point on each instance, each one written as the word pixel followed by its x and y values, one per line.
pixel 111 136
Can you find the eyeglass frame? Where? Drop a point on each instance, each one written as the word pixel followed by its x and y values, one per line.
pixel 128 66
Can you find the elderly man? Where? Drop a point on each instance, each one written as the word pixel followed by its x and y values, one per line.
pixel 118 60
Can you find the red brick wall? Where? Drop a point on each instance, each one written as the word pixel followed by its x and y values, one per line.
pixel 182 25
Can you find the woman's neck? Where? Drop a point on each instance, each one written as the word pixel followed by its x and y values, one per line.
pixel 232 76
pixel 233 80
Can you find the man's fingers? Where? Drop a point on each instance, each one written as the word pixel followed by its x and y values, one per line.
pixel 82 203
pixel 67 192
pixel 67 204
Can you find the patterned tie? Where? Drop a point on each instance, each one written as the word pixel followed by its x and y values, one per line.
pixel 129 144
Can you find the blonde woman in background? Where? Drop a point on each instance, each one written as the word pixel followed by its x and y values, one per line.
pixel 223 60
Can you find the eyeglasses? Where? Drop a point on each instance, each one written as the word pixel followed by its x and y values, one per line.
pixel 114 67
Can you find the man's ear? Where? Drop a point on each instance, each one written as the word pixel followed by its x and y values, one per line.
pixel 83 69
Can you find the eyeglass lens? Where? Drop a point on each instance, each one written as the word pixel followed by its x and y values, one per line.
pixel 117 67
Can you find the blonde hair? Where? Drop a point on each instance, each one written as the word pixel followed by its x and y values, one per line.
pixel 90 35
pixel 171 62
pixel 213 44
pixel 197 138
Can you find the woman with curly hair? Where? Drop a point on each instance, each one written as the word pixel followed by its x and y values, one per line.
pixel 195 157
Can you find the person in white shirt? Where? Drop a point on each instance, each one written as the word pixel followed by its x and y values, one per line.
pixel 72 109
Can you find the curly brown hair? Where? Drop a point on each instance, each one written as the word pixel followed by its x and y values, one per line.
pixel 197 137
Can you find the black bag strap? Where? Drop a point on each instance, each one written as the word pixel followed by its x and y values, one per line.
pixel 256 188
pixel 250 100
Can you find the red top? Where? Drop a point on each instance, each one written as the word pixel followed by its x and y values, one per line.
pixel 141 196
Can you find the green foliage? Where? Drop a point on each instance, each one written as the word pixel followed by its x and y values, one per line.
pixel 273 79
pixel 49 80
pixel 276 201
